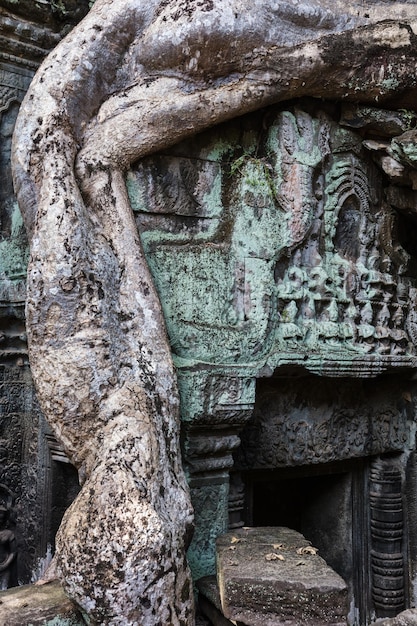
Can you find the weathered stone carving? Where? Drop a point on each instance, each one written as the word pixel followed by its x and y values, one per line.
pixel 255 305
pixel 352 420
pixel 387 539
pixel 323 281
pixel 121 86
pixel 8 549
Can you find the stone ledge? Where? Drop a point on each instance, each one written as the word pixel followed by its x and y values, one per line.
pixel 38 605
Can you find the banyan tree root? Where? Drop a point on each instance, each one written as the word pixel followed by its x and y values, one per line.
pixel 133 77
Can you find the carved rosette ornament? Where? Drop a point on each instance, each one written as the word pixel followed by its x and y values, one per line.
pixel 120 86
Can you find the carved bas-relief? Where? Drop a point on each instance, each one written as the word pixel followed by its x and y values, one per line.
pixel 134 78
pixel 314 276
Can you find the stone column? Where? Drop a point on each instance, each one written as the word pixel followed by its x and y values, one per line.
pixel 216 405
pixel 387 538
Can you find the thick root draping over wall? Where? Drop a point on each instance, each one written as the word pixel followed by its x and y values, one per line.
pixel 132 78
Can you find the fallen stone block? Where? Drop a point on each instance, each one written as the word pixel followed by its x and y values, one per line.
pixel 274 577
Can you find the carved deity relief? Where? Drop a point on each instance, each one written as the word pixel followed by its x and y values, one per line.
pixel 275 245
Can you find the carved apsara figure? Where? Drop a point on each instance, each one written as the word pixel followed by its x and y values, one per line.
pixel 366 329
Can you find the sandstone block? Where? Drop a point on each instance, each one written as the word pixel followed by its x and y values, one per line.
pixel 274 577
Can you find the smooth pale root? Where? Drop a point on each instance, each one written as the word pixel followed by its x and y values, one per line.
pixel 132 78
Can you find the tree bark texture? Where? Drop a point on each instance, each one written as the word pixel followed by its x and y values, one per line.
pixel 134 77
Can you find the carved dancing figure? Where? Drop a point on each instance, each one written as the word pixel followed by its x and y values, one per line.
pixel 328 329
pixel 348 326
pixel 399 337
pixel 382 330
pixel 366 330
pixel 294 282
pixel 288 328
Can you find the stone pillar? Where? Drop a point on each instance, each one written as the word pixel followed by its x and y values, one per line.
pixel 215 408
pixel 387 539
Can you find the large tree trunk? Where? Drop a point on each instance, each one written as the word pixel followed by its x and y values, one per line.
pixel 132 78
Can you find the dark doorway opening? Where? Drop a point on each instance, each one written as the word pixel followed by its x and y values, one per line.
pixel 328 504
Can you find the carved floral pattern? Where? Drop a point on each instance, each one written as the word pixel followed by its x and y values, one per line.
pixel 308 422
